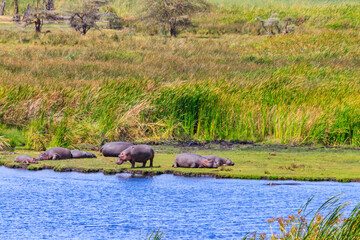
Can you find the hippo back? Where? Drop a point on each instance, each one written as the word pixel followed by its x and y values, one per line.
pixel 24 159
pixel 57 153
pixel 188 160
pixel 76 153
pixel 113 149
pixel 82 154
pixel 141 152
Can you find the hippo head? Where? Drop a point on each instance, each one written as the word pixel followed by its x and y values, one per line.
pixel 90 155
pixel 228 162
pixel 208 163
pixel 33 160
pixel 123 157
pixel 43 156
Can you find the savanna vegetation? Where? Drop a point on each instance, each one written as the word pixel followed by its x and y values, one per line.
pixel 221 78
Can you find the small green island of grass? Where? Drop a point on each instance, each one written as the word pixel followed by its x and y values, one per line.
pixel 251 162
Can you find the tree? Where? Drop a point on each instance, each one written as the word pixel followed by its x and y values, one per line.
pixel 16 16
pixel 270 24
pixel 273 23
pixel 86 17
pixel 174 13
pixel 2 8
pixel 288 28
pixel 88 14
pixel 38 15
pixel 49 5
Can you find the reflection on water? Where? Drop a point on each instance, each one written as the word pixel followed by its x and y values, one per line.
pixel 51 205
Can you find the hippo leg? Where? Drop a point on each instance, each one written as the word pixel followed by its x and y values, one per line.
pixel 132 163
pixel 55 157
pixel 144 164
pixel 151 162
pixel 175 165
pixel 193 165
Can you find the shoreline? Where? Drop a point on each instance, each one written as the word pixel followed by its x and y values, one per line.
pixel 151 173
pixel 251 162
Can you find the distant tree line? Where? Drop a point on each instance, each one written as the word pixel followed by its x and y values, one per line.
pixel 170 15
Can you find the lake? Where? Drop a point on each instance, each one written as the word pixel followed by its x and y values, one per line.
pixel 52 205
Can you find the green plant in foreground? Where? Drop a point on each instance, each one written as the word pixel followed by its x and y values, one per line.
pixel 154 235
pixel 327 222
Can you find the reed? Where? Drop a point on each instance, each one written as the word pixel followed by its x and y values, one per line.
pixel 63 89
pixel 155 235
pixel 327 222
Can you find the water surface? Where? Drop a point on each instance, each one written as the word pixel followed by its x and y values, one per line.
pixel 51 205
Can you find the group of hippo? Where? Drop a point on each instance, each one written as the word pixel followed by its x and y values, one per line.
pixel 128 152
pixel 56 153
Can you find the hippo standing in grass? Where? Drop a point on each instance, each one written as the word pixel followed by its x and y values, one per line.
pixel 55 153
pixel 113 149
pixel 137 153
pixel 192 160
pixel 81 154
pixel 25 159
pixel 220 161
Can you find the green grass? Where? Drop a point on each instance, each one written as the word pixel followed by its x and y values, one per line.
pixel 250 163
pixel 216 81
pixel 14 135
pixel 139 87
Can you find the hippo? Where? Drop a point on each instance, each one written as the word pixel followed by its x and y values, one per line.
pixel 25 159
pixel 220 161
pixel 55 153
pixel 81 154
pixel 137 153
pixel 192 160
pixel 113 149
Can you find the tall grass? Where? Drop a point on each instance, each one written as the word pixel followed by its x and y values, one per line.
pixel 64 89
pixel 145 88
pixel 327 222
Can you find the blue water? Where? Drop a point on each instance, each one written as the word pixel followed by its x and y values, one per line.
pixel 50 205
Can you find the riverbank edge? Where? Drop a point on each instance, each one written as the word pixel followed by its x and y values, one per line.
pixel 151 173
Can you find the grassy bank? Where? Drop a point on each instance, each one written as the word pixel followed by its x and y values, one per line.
pixel 216 81
pixel 251 162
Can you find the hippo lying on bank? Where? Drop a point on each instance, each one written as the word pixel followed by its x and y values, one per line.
pixel 220 161
pixel 81 154
pixel 25 159
pixel 192 160
pixel 113 149
pixel 137 153
pixel 55 153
